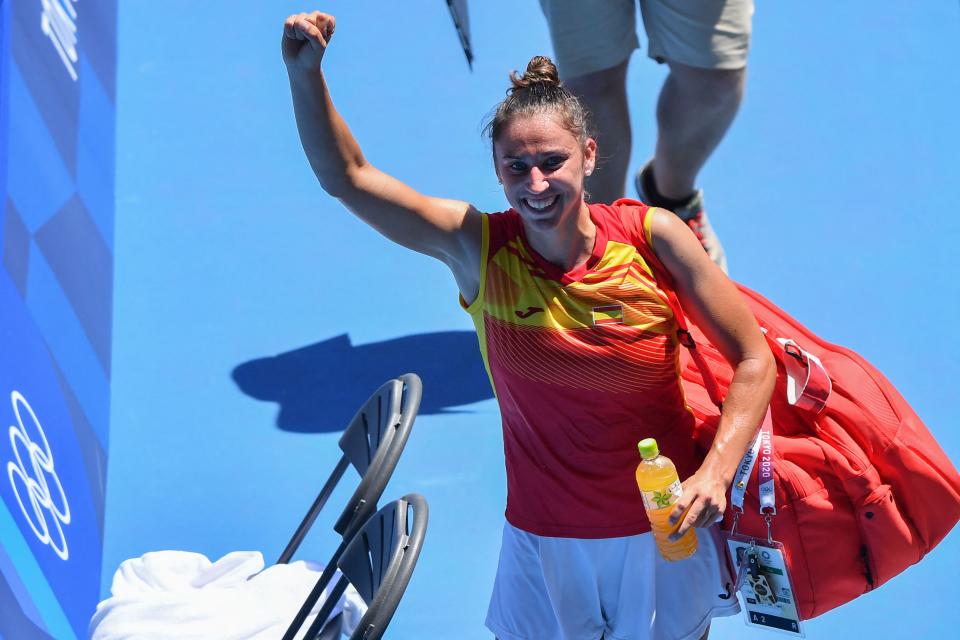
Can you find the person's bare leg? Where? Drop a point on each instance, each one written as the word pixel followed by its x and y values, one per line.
pixel 695 110
pixel 604 93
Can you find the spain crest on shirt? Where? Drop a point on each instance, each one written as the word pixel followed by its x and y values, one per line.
pixel 609 314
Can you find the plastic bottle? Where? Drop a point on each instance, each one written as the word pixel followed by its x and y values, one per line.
pixel 660 487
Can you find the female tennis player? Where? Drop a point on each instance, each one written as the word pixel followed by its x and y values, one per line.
pixel 582 353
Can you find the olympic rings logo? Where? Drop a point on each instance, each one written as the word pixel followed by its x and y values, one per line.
pixel 46 512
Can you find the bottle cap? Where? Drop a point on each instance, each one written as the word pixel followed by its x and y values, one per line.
pixel 648 448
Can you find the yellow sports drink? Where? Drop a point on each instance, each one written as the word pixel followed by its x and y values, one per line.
pixel 660 488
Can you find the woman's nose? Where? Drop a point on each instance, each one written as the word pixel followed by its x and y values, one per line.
pixel 537 182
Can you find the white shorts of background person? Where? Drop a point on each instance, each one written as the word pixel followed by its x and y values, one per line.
pixel 591 35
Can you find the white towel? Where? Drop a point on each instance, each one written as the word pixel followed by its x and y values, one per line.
pixel 179 594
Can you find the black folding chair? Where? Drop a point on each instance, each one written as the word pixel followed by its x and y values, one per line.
pixel 378 561
pixel 372 444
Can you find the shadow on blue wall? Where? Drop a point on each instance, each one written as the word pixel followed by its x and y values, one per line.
pixel 319 387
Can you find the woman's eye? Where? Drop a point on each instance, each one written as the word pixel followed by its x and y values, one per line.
pixel 553 162
pixel 518 167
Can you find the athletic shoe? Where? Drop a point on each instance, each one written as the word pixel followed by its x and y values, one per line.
pixel 696 218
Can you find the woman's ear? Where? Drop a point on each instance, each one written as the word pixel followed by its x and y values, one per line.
pixel 589 156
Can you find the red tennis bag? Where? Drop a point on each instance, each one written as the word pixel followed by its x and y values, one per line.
pixel 863 490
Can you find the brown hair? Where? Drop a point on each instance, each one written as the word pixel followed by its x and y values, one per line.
pixel 539 90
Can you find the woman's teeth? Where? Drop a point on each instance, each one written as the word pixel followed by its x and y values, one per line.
pixel 541 203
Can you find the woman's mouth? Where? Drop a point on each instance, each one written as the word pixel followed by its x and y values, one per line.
pixel 541 204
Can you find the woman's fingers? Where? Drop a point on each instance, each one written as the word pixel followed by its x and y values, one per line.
pixel 291 29
pixel 306 37
pixel 707 517
pixel 679 510
pixel 317 28
pixel 700 512
pixel 690 520
pixel 325 23
pixel 308 31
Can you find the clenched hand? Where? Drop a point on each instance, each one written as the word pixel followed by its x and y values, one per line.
pixel 305 40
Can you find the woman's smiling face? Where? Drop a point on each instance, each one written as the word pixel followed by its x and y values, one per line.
pixel 542 166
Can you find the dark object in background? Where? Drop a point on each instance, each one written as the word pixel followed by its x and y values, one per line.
pixel 461 20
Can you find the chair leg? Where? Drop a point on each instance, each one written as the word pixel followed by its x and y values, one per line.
pixel 332 629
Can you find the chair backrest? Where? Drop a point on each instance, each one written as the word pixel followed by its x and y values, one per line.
pixel 372 444
pixel 378 562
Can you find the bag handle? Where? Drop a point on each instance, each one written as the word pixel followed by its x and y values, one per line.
pixel 808 383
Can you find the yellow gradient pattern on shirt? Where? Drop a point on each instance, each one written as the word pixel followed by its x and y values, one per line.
pixel 610 330
pixel 515 286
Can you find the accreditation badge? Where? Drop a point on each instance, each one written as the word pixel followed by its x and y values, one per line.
pixel 763 582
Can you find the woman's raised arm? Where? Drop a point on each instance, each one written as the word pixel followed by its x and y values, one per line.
pixel 448 230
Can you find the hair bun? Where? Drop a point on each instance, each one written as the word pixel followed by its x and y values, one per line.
pixel 539 91
pixel 540 71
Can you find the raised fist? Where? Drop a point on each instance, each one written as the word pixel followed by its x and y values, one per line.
pixel 305 39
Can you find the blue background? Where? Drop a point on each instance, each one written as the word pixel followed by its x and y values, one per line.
pixel 56 303
pixel 251 313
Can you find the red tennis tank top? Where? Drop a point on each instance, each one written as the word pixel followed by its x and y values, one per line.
pixel 584 364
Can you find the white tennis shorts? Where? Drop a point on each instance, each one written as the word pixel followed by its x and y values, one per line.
pixel 617 588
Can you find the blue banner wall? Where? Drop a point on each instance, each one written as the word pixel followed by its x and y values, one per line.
pixel 57 105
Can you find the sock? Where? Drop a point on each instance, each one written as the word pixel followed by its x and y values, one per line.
pixel 655 197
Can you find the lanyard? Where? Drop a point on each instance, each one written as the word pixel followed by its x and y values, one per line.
pixel 761 448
